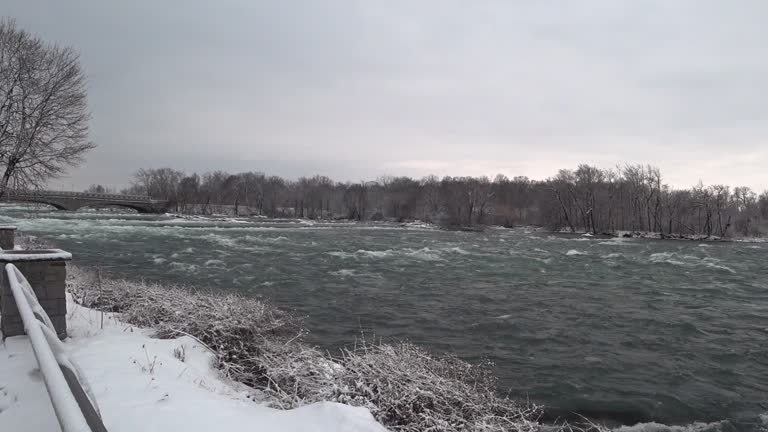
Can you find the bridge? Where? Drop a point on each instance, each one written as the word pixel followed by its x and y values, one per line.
pixel 75 200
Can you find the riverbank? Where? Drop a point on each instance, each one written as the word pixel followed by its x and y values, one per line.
pixel 656 236
pixel 258 345
pixel 142 383
pixel 224 218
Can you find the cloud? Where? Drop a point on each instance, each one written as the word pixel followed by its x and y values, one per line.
pixel 356 89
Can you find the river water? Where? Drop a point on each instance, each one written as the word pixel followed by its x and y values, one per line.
pixel 622 330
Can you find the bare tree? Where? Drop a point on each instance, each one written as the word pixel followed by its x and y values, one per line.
pixel 100 189
pixel 43 109
pixel 588 199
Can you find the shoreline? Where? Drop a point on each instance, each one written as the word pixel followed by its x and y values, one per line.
pixel 656 236
pixel 417 223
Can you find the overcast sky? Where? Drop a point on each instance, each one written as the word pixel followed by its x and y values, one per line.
pixel 357 89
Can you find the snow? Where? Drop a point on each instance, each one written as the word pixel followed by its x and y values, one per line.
pixel 48 351
pixel 140 384
pixel 18 255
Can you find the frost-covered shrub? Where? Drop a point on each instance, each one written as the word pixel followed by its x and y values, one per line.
pixel 408 389
pixel 240 330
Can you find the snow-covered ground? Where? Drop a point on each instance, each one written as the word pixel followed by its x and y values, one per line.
pixel 147 384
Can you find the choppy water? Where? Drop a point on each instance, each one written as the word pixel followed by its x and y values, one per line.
pixel 623 330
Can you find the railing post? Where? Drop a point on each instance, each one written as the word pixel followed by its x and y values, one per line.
pixel 46 271
pixel 7 237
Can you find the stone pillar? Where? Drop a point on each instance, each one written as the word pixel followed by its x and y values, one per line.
pixel 46 272
pixel 7 235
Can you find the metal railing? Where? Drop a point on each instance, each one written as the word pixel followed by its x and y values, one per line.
pixel 69 194
pixel 75 408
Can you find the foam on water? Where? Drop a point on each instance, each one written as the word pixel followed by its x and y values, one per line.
pixel 343 273
pixel 613 256
pixel 425 254
pixel 691 261
pixel 619 241
pixel 719 426
pixel 574 252
pixel 182 267
pixel 459 251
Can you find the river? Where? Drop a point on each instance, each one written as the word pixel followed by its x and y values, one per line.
pixel 623 330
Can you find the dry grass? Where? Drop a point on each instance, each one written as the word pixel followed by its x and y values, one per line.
pixel 408 389
pixel 404 387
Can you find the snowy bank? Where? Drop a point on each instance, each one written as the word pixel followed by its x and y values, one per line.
pixel 148 384
pixel 404 387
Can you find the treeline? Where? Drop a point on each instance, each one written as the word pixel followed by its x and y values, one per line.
pixel 589 199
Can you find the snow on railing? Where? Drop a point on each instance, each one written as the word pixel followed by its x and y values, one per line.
pixel 75 408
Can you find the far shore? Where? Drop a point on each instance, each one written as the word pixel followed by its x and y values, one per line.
pixel 657 236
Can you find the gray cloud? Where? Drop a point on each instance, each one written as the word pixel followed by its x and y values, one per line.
pixel 354 89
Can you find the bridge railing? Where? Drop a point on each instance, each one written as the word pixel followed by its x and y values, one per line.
pixel 69 194
pixel 75 408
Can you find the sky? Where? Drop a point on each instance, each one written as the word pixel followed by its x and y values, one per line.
pixel 358 89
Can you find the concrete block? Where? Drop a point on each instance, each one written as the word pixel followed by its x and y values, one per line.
pixel 46 272
pixel 7 237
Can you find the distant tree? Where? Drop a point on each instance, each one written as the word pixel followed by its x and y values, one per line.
pixel 97 188
pixel 43 110
pixel 188 191
pixel 160 183
pixel 587 199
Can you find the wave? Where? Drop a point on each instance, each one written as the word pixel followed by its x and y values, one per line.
pixel 719 426
pixel 459 251
pixel 665 257
pixel 215 263
pixel 362 253
pixel 619 241
pixel 222 240
pixel 261 239
pixel 690 261
pixel 424 254
pixel 574 252
pixel 344 273
pixel 182 267
pixel 613 256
